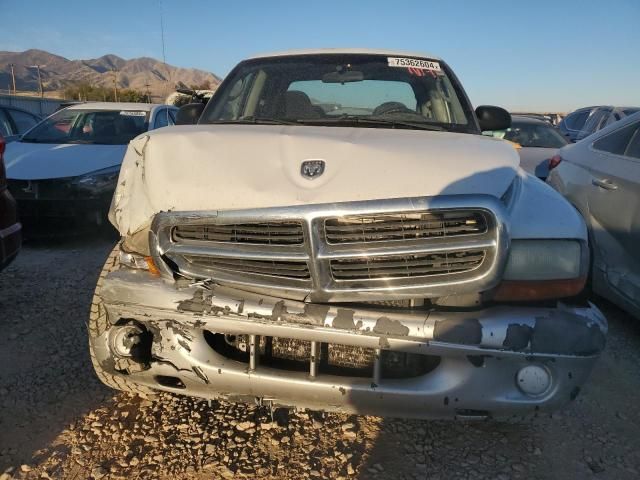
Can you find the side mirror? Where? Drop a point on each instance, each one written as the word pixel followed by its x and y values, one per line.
pixel 493 118
pixel 189 114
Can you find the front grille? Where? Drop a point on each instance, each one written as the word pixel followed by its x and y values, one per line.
pixel 290 354
pixel 402 266
pixel 273 268
pixel 403 226
pixel 263 233
pixel 377 250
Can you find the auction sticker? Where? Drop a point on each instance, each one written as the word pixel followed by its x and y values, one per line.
pixel 413 63
pixel 130 113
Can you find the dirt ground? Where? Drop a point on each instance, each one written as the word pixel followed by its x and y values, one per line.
pixel 58 421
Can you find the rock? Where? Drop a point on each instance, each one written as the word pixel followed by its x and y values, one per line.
pixel 25 468
pixel 98 472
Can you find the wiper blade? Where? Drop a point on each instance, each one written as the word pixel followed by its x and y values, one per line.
pixel 374 121
pixel 255 121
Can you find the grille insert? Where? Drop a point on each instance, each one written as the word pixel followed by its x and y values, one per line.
pixel 403 266
pixel 403 226
pixel 263 233
pixel 274 268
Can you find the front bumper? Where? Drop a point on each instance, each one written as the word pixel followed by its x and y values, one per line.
pixel 55 207
pixel 10 229
pixel 480 354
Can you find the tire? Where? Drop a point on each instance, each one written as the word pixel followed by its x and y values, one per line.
pixel 98 324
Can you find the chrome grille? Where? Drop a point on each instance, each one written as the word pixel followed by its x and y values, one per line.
pixel 401 266
pixel 273 268
pixel 263 233
pixel 379 250
pixel 403 226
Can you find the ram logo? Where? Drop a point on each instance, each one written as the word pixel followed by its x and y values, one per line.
pixel 312 168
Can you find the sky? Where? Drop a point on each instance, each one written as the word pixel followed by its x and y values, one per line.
pixel 536 55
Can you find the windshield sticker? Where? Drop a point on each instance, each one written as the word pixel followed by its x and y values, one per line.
pixel 415 63
pixel 132 114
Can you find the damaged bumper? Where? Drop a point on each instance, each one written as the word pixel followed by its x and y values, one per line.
pixel 214 342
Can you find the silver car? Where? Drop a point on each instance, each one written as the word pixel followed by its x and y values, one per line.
pixel 537 142
pixel 600 175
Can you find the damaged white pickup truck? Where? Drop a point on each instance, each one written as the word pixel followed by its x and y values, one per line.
pixel 335 233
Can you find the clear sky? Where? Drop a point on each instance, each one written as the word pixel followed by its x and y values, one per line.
pixel 525 55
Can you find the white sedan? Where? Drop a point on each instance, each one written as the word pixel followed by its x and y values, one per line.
pixel 600 175
pixel 64 170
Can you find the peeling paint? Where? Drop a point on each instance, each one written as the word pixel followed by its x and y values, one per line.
pixel 465 331
pixel 517 337
pixel 344 319
pixel 387 326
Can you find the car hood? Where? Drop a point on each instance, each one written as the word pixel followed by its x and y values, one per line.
pixel 38 161
pixel 220 167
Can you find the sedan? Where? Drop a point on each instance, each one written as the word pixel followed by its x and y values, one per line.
pixel 600 175
pixel 63 171
pixel 537 141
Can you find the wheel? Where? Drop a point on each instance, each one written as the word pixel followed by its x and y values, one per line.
pixel 98 324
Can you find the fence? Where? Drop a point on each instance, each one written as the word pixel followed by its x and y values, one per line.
pixel 37 105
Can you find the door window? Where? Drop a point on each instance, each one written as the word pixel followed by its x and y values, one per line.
pixel 22 120
pixel 5 125
pixel 162 119
pixel 633 148
pixel 620 142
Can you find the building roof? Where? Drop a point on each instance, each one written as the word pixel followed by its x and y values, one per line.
pixel 337 51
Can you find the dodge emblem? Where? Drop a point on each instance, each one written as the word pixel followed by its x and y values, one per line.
pixel 312 168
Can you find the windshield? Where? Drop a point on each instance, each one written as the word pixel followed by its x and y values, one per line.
pixel 532 135
pixel 343 90
pixel 108 127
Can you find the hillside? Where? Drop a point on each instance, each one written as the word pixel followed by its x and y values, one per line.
pixel 59 72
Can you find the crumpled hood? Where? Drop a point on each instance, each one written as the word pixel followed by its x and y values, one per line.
pixel 38 161
pixel 220 167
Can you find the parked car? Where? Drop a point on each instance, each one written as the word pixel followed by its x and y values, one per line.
pixel 600 175
pixel 573 123
pixel 64 170
pixel 602 117
pixel 10 228
pixel 537 141
pixel 391 262
pixel 15 121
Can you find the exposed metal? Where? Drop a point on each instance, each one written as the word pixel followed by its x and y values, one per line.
pixel 459 241
pixel 478 354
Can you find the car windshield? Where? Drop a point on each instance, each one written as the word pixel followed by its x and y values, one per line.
pixel 107 127
pixel 532 135
pixel 343 90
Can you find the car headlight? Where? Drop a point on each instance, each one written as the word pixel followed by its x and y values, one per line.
pixel 543 270
pixel 100 181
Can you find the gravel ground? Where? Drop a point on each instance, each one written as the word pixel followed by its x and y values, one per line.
pixel 58 421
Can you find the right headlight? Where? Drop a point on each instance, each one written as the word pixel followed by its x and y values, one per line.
pixel 543 269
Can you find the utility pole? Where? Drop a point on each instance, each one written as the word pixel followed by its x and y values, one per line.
pixel 13 77
pixel 39 79
pixel 115 84
pixel 148 92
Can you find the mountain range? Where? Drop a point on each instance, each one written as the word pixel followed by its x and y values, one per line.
pixel 59 72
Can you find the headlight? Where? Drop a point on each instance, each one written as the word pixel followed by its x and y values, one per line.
pixel 100 181
pixel 544 260
pixel 138 262
pixel 543 270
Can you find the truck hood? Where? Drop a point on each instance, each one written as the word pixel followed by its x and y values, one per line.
pixel 220 167
pixel 38 161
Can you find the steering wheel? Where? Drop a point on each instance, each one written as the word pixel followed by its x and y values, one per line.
pixel 392 107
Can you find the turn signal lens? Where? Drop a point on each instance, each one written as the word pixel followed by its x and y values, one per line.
pixel 526 290
pixel 554 162
pixel 153 269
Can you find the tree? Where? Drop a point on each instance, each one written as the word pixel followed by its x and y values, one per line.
pixel 84 91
